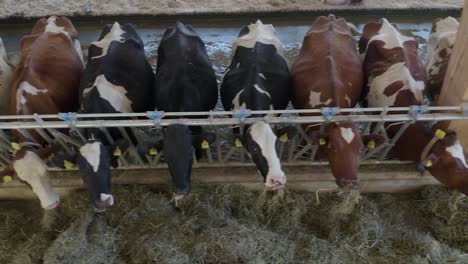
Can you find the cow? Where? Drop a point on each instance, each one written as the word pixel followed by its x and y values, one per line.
pixel 185 82
pixel 46 81
pixel 397 77
pixel 439 49
pixel 117 79
pixel 258 78
pixel 6 73
pixel 328 73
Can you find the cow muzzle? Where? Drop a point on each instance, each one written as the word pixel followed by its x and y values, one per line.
pixel 106 200
pixel 349 184
pixel 274 183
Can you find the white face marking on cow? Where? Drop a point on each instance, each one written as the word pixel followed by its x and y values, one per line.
pixel 262 33
pixel 347 134
pixel 52 26
pixel 396 72
pixel 26 87
pixel 33 170
pixel 443 38
pixel 262 76
pixel 390 36
pixel 456 150
pixel 260 90
pixel 92 153
pixel 6 73
pixel 314 99
pixel 115 34
pixel 263 135
pixel 114 94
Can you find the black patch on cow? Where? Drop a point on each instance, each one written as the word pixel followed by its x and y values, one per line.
pixel 178 153
pixel 246 70
pixel 185 79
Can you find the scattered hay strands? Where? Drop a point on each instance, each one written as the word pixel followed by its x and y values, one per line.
pixel 229 224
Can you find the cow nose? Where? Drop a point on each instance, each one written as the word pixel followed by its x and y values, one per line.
pixel 106 200
pixel 275 182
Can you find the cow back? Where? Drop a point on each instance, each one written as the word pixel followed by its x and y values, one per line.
pixel 328 71
pixel 185 79
pixel 258 76
pixel 394 71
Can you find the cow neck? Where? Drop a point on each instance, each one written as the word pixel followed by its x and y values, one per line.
pixel 413 142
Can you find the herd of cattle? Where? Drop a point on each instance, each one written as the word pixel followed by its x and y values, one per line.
pixel 330 71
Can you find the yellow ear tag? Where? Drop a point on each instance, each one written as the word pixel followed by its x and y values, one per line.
pixel 322 141
pixel 238 143
pixel 7 178
pixel 51 156
pixel 153 151
pixel 371 144
pixel 429 163
pixel 440 134
pixel 117 152
pixel 68 164
pixel 15 146
pixel 284 137
pixel 205 144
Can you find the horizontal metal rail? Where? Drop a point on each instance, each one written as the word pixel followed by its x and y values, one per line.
pixel 226 150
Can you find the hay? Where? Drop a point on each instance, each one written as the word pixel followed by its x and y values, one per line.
pixel 229 224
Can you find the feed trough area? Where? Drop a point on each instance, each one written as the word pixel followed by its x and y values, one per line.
pixel 236 206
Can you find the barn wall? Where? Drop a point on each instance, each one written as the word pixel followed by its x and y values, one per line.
pixel 455 88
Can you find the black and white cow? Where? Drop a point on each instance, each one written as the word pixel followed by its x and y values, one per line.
pixel 185 82
pixel 258 79
pixel 117 79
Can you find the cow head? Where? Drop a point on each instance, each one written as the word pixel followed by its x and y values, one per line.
pixel 31 169
pixel 447 162
pixel 343 143
pixel 262 145
pixel 94 161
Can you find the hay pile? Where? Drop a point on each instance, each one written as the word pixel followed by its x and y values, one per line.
pixel 229 224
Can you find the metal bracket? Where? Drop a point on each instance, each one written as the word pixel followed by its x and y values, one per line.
pixel 156 116
pixel 330 112
pixel 69 117
pixel 416 110
pixel 241 114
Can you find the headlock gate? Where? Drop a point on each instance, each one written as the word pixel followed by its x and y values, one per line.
pixel 224 148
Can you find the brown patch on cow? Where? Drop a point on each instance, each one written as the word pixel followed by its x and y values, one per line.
pixel 378 60
pixel 393 88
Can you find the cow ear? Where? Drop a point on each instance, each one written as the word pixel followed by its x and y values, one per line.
pixel 318 138
pixel 286 133
pixel 373 140
pixel 430 160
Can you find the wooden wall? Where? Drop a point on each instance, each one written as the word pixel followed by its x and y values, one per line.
pixel 455 88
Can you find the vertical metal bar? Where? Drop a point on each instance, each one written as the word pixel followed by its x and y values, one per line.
pixel 27 135
pixel 111 141
pixel 242 153
pixel 132 146
pixel 219 154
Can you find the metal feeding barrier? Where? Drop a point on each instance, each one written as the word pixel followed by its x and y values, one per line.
pixel 226 149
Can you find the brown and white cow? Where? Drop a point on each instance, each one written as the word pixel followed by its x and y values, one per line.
pixel 439 49
pixel 328 73
pixel 397 77
pixel 6 72
pixel 46 81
